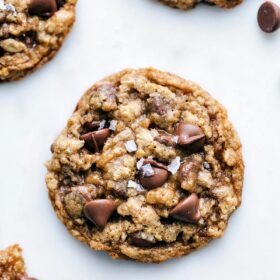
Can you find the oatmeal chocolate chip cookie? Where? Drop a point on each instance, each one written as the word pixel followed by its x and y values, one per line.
pixel 148 168
pixel 187 4
pixel 12 264
pixel 31 32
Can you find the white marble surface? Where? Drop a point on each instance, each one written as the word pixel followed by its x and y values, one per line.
pixel 223 51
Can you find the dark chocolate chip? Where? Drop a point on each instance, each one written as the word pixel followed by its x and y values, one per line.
pixel 187 210
pixel 269 17
pixel 92 126
pixel 137 240
pixel 94 141
pixel 60 3
pixel 29 39
pixel 99 211
pixel 42 7
pixel 156 180
pixel 190 136
pixel 1 52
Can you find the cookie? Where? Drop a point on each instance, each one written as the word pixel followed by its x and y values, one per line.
pixel 148 167
pixel 31 32
pixel 187 4
pixel 12 264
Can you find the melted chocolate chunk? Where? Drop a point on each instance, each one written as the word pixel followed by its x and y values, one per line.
pixel 42 7
pixel 187 210
pixel 157 178
pixel 138 240
pixel 94 141
pixel 191 137
pixel 99 211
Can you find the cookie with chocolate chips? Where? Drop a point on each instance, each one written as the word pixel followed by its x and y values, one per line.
pixel 148 168
pixel 188 4
pixel 12 264
pixel 31 32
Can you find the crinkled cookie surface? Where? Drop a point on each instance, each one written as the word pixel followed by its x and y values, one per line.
pixel 12 264
pixel 148 167
pixel 187 4
pixel 31 32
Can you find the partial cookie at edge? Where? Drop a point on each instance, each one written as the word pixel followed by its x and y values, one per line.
pixel 188 4
pixel 30 36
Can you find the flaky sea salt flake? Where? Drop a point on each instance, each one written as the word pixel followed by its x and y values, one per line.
pixel 2 5
pixel 102 125
pixel 133 185
pixel 174 165
pixel 131 146
pixel 147 170
pixel 140 163
pixel 175 139
pixel 113 124
pixel 11 8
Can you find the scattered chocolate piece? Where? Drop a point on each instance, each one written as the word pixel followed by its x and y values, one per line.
pixel 190 136
pixel 138 240
pixel 99 211
pixel 42 7
pixel 269 17
pixel 155 180
pixel 187 210
pixel 94 141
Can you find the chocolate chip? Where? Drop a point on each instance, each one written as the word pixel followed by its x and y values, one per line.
pixel 187 210
pixel 155 180
pixel 92 126
pixel 42 7
pixel 190 136
pixel 269 17
pixel 166 139
pixel 29 39
pixel 1 52
pixel 99 211
pixel 94 141
pixel 138 239
pixel 60 3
